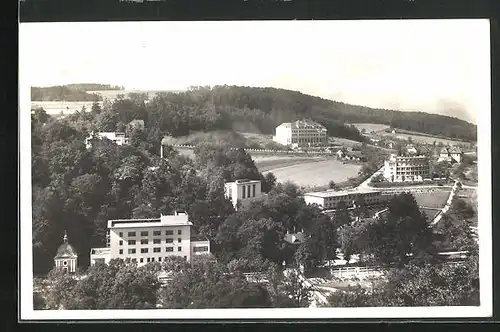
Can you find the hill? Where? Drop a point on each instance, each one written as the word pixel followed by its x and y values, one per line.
pixel 70 92
pixel 260 110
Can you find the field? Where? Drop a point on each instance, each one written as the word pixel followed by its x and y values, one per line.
pixel 420 138
pixel 436 199
pixel 64 107
pixel 370 127
pixel 112 94
pixel 318 173
pixel 266 163
pixel 430 213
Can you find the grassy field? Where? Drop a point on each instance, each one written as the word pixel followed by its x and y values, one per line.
pixel 266 163
pixel 429 213
pixel 316 173
pixel 419 138
pixel 436 199
pixel 370 127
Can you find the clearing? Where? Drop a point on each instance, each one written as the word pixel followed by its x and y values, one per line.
pixel 370 127
pixel 317 173
pixel 419 137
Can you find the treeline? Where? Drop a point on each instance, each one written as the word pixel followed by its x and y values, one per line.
pixel 70 92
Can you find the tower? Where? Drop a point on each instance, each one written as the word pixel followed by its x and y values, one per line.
pixel 66 256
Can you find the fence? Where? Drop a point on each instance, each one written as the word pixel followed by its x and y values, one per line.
pixel 288 152
pixel 356 272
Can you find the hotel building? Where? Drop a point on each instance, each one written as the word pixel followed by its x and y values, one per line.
pixel 243 191
pixel 301 133
pixel 329 199
pixel 406 168
pixel 150 240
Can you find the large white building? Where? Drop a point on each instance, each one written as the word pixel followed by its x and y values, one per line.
pixel 117 138
pixel 452 154
pixel 150 240
pixel 242 191
pixel 301 133
pixel 329 199
pixel 406 168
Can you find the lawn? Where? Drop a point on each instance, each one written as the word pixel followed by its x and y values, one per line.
pixel 316 173
pixel 273 162
pixel 435 199
pixel 429 213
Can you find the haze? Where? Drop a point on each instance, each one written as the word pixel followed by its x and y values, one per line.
pixel 435 66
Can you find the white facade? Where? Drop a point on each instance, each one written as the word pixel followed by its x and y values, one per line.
pixel 330 198
pixel 403 168
pixel 117 138
pixel 452 154
pixel 301 133
pixel 150 240
pixel 243 191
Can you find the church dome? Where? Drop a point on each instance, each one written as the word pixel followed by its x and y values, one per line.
pixel 65 250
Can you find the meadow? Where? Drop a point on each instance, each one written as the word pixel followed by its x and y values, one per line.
pixel 62 107
pixel 420 138
pixel 370 127
pixel 316 173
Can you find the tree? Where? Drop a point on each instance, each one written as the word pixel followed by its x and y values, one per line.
pixel 331 184
pixel 293 286
pixel 268 182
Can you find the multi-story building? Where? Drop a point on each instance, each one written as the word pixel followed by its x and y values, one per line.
pixel 150 240
pixel 117 138
pixel 406 168
pixel 242 191
pixel 330 199
pixel 301 133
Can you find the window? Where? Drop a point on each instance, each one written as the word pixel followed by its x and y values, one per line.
pixel 243 193
pixel 156 249
pixel 179 240
pixel 131 234
pixel 144 233
pixel 179 232
pixel 156 233
pixel 159 259
pixel 141 260
pixel 248 191
pixel 131 242
pixel 121 251
pixel 121 234
pixel 185 258
pixel 149 260
pixel 253 190
pixel 179 248
pixel 169 240
pixel 144 250
pixel 131 251
pixel 169 249
pixel 121 242
pixel 156 241
pixel 144 241
pixel 200 249
pixel 169 232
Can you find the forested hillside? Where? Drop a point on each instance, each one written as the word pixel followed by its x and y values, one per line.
pixel 70 92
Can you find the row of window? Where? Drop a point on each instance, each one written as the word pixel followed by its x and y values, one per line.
pixel 146 241
pixel 247 192
pixel 155 233
pixel 146 250
pixel 151 259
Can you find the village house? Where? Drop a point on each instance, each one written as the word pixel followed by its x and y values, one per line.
pixel 451 154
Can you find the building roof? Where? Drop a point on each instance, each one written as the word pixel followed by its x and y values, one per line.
pixel 177 219
pixel 199 238
pixel 240 181
pixel 333 193
pixel 65 250
pixel 444 150
pixel 455 149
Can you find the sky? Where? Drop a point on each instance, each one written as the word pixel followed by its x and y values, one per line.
pixel 434 66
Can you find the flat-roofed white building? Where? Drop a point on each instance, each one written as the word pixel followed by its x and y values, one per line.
pixel 243 191
pixel 301 133
pixel 115 137
pixel 329 199
pixel 406 168
pixel 150 240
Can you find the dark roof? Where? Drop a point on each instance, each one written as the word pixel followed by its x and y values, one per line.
pixel 455 149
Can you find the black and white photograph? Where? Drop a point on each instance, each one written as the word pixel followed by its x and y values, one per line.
pixel 255 170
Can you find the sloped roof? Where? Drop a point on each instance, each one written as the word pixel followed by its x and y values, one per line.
pixel 444 150
pixel 455 149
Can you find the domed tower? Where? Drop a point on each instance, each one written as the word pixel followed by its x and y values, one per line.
pixel 66 256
